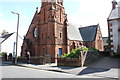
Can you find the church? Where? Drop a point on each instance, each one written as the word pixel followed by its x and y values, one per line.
pixel 51 33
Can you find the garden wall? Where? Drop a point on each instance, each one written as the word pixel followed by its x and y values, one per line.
pixel 92 56
pixel 74 62
pixel 33 60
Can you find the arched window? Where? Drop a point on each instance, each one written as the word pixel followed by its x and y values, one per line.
pixel 35 32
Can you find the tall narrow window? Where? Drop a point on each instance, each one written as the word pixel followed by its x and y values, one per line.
pixel 60 14
pixel 35 33
pixel 60 35
pixel 44 15
pixel 42 36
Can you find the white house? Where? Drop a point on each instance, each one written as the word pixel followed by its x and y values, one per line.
pixel 114 27
pixel 7 44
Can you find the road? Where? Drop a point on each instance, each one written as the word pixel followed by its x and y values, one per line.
pixel 9 71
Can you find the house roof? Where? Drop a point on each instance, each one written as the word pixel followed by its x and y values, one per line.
pixel 88 33
pixel 5 37
pixel 73 32
pixel 115 13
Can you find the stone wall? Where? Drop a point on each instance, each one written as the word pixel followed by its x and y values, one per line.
pixel 33 60
pixel 92 56
pixel 74 62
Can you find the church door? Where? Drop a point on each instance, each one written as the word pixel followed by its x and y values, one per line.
pixel 60 52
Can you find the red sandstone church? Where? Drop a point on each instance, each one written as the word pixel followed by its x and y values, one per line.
pixel 50 32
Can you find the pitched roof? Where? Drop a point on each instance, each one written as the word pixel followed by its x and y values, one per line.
pixel 88 33
pixel 73 32
pixel 4 37
pixel 115 13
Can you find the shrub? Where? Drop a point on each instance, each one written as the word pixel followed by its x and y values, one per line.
pixel 75 52
pixel 3 54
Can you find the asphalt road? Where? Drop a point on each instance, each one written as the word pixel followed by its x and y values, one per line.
pixel 10 72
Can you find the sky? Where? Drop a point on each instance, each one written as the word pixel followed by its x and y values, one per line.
pixel 80 12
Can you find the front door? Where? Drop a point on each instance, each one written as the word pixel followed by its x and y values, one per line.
pixel 60 52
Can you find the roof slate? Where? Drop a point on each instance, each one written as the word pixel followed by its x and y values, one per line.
pixel 3 38
pixel 73 32
pixel 88 33
pixel 82 34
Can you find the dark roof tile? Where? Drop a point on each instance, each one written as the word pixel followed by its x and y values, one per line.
pixel 88 33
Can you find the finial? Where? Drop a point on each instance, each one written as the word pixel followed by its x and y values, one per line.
pixel 36 8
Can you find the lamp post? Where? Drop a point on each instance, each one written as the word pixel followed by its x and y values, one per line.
pixel 16 36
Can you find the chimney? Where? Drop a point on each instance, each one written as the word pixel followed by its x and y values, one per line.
pixel 114 3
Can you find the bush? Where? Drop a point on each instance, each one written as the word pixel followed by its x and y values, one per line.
pixel 3 54
pixel 75 52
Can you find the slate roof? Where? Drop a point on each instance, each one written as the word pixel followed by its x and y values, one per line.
pixel 89 33
pixel 5 37
pixel 82 34
pixel 73 32
pixel 115 13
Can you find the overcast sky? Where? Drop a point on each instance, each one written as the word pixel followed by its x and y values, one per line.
pixel 80 12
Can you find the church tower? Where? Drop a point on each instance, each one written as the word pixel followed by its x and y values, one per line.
pixel 47 33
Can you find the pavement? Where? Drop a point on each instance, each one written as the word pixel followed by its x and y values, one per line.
pixel 103 68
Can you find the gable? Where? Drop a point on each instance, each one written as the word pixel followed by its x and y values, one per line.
pixel 88 33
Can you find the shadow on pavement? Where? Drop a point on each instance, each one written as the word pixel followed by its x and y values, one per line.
pixel 61 67
pixel 90 70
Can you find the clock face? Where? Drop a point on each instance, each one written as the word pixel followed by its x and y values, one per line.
pixel 35 32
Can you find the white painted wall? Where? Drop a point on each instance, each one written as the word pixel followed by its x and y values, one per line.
pixel 7 45
pixel 115 34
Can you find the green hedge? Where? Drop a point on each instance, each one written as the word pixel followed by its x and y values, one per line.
pixel 75 52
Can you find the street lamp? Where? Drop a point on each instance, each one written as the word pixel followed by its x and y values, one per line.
pixel 16 36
